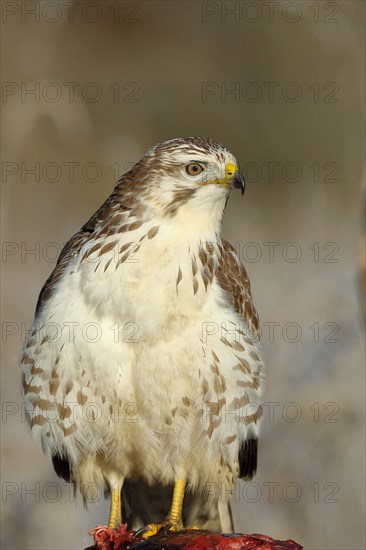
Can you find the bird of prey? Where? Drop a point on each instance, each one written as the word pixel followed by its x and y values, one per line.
pixel 142 371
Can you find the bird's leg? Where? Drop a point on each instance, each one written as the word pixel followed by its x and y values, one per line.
pixel 173 521
pixel 115 516
pixel 175 514
pixel 102 532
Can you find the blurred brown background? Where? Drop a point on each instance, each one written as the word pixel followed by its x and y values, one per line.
pixel 281 84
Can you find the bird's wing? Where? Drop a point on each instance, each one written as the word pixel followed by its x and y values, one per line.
pixel 74 245
pixel 234 280
pixel 71 249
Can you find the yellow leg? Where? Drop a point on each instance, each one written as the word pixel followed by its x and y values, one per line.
pixel 175 514
pixel 115 518
pixel 174 520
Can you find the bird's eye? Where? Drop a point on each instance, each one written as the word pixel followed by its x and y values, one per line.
pixel 193 169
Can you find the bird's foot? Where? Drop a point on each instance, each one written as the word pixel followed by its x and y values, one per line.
pixel 159 528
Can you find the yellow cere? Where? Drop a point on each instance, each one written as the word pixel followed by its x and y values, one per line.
pixel 230 170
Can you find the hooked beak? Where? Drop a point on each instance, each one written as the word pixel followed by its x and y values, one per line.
pixel 237 181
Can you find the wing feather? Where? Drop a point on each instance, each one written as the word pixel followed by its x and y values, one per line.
pixel 233 278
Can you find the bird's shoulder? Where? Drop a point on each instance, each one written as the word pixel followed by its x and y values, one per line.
pixel 74 246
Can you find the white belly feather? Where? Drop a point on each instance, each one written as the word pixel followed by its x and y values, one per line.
pixel 140 357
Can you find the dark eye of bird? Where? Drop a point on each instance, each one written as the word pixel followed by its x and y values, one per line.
pixel 193 169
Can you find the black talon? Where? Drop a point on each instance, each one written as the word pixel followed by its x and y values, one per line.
pixel 140 531
pixel 165 530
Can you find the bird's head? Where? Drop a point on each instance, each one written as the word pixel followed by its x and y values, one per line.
pixel 187 172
